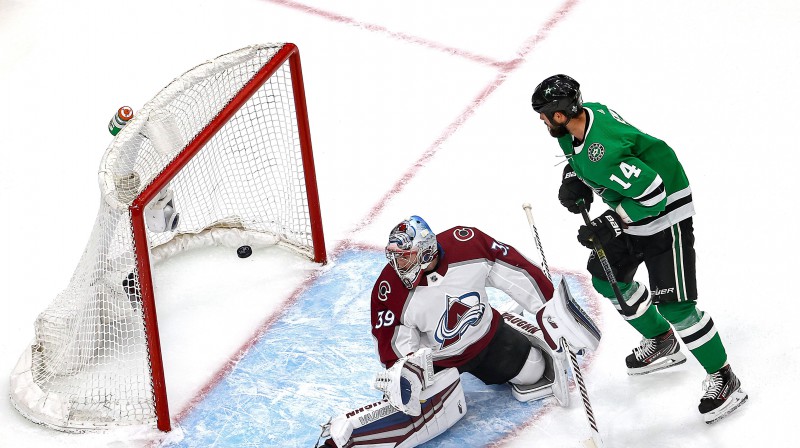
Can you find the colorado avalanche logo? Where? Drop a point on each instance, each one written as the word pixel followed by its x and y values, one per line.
pixel 463 234
pixel 462 312
pixel 383 291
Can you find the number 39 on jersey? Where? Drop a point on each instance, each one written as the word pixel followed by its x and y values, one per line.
pixel 385 319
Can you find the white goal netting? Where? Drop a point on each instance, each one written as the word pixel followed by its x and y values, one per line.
pixel 201 163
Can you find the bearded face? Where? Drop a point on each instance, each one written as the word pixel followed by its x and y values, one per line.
pixel 558 131
pixel 555 128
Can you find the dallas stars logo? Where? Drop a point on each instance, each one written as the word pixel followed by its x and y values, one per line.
pixel 595 152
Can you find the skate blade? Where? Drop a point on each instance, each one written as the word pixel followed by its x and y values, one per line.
pixel 663 363
pixel 736 400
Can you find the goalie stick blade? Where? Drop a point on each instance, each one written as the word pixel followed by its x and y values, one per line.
pixel 737 399
pixel 593 442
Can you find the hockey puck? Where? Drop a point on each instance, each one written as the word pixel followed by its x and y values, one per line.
pixel 244 251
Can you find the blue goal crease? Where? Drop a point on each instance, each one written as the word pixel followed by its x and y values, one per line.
pixel 318 360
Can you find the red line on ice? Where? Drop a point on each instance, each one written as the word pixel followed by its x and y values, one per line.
pixel 334 17
pixel 504 69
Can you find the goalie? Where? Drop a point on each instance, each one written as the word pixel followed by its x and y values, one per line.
pixel 432 321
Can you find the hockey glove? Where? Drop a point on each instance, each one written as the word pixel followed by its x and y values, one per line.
pixel 404 381
pixel 603 229
pixel 572 190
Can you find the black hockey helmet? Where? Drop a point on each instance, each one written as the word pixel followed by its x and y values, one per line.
pixel 558 93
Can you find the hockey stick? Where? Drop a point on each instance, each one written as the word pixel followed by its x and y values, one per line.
pixel 601 255
pixel 595 441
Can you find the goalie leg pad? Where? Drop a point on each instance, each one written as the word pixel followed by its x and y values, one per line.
pixel 553 381
pixel 381 425
pixel 532 370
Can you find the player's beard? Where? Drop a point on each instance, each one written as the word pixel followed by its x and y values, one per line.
pixel 558 131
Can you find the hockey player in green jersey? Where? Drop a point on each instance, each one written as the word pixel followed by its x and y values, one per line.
pixel 649 221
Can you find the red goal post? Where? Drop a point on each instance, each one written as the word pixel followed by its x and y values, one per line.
pixel 221 156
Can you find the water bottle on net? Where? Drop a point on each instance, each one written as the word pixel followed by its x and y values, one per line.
pixel 120 119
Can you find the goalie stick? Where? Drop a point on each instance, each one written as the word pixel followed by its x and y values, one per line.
pixel 595 441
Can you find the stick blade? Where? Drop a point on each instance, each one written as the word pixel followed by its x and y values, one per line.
pixel 594 442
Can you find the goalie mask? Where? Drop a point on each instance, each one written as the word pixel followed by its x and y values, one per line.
pixel 412 248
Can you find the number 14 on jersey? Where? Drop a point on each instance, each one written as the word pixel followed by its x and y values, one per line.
pixel 628 170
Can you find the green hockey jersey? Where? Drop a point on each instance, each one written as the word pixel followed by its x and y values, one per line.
pixel 637 175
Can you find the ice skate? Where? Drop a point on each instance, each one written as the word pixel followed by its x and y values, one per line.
pixel 723 395
pixel 661 352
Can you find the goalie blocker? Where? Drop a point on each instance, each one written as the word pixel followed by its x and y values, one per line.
pixel 419 404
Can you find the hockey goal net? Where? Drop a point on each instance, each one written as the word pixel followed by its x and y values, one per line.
pixel 222 155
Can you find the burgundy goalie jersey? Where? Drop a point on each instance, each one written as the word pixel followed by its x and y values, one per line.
pixel 449 310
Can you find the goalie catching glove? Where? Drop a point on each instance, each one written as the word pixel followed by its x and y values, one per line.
pixel 403 383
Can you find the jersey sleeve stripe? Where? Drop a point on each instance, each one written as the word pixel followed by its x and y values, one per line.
pixel 654 194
